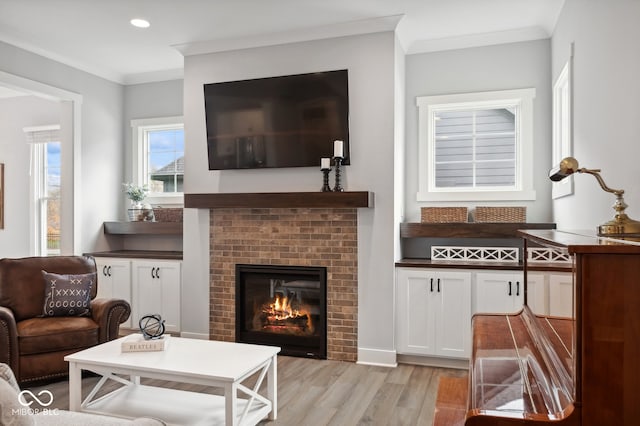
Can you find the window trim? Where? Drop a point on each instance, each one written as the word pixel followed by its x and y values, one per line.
pixel 37 137
pixel 427 105
pixel 138 167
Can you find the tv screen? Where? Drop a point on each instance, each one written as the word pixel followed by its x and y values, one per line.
pixel 288 121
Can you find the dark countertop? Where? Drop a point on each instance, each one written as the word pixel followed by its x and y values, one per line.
pixel 139 254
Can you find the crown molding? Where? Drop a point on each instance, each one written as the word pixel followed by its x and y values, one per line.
pixel 364 26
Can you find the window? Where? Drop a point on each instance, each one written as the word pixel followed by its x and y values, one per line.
pixel 562 123
pixel 476 146
pixel 159 158
pixel 46 188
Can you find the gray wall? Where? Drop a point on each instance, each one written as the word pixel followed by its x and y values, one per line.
pixel 370 60
pixel 606 126
pixel 148 100
pixel 102 148
pixel 499 67
pixel 17 113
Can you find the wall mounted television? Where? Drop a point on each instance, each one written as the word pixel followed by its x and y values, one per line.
pixel 286 121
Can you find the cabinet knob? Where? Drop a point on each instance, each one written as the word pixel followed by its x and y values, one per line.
pixel 158 272
pixel 104 270
pixel 431 285
pixel 153 272
pixel 438 285
pixel 109 270
pixel 509 288
pixel 517 288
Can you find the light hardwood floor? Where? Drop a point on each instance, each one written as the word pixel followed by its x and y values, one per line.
pixel 320 392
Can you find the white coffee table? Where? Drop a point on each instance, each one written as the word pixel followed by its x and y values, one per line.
pixel 202 362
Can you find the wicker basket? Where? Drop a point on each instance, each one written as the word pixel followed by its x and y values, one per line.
pixel 500 214
pixel 443 214
pixel 166 214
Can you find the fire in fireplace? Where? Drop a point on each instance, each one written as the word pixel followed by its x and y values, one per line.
pixel 283 306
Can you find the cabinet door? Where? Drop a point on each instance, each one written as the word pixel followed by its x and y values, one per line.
pixel 453 322
pixel 156 290
pixel 561 295
pixel 415 312
pixel 105 284
pixel 170 276
pixel 537 293
pixel 498 292
pixel 114 281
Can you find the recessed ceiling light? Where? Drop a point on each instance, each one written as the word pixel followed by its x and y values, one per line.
pixel 140 23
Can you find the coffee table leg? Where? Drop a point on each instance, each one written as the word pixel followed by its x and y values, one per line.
pixel 75 387
pixel 231 402
pixel 272 387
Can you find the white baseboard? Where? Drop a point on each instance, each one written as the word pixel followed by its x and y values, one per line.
pixel 432 361
pixel 377 357
pixel 201 336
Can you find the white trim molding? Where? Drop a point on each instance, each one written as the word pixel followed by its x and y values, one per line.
pixel 378 357
pixel 563 126
pixel 522 99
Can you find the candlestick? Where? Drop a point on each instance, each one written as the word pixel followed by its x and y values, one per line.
pixel 325 164
pixel 325 180
pixel 338 187
pixel 338 149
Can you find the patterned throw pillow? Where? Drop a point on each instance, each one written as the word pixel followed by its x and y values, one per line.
pixel 67 295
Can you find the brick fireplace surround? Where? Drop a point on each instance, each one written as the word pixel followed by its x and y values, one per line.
pixel 325 237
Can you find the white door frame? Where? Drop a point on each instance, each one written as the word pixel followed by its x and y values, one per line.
pixel 69 245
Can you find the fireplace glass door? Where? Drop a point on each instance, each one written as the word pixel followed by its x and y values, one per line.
pixel 282 306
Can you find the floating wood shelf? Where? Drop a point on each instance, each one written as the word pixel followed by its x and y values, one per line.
pixel 467 230
pixel 353 199
pixel 143 228
pixel 139 254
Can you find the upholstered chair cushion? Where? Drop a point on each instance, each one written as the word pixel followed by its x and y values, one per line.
pixel 40 335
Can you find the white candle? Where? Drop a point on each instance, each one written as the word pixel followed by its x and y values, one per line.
pixel 337 149
pixel 325 164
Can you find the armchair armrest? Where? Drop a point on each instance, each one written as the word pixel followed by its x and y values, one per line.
pixel 109 314
pixel 8 339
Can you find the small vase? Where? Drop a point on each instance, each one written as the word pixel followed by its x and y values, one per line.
pixel 134 212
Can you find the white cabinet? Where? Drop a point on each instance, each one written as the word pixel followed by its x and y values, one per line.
pixel 433 312
pixel 561 294
pixel 156 290
pixel 498 292
pixel 538 293
pixel 550 293
pixel 114 280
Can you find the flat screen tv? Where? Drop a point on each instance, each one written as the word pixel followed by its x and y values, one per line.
pixel 287 121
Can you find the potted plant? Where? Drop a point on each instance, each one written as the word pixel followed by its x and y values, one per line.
pixel 136 195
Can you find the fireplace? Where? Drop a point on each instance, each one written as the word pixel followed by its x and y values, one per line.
pixel 283 306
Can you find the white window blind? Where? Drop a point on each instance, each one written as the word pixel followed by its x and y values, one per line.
pixel 42 134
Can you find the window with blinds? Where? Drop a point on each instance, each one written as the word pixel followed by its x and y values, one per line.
pixel 476 146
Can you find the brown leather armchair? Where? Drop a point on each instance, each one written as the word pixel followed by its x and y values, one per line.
pixel 35 346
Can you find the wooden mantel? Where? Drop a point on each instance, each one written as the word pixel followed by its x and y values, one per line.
pixel 351 199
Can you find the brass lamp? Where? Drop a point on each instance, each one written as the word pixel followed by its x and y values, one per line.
pixel 621 225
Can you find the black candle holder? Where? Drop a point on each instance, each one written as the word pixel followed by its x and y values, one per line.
pixel 325 180
pixel 338 187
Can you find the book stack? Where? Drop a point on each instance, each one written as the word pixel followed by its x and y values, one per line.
pixel 137 343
